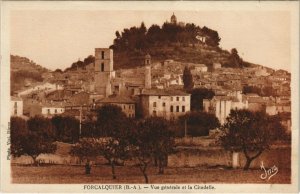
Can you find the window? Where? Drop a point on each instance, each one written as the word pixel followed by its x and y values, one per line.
pixel 183 99
pixel 164 104
pixel 55 111
pixel 183 108
pixel 177 108
pixel 124 107
pixel 102 66
pixel 177 98
pixel 171 98
pixel 102 54
pixel 158 97
pixel 154 113
pixel 16 111
pixel 48 111
pixel 171 109
pixel 16 104
pixel 154 104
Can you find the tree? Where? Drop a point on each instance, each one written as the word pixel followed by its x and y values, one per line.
pixel 199 123
pixel 42 127
pixel 110 120
pixel 212 37
pixel 235 60
pixel 153 139
pixel 66 128
pixel 251 133
pixel 86 148
pixel 197 96
pixel 36 139
pixel 18 129
pixel 115 126
pixel 187 79
pixel 89 129
pixel 58 71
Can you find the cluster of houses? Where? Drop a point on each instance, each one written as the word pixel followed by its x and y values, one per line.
pixel 129 89
pixel 155 89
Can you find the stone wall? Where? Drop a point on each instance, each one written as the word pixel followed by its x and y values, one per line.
pixel 216 156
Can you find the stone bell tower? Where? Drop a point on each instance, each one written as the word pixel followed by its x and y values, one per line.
pixel 104 71
pixel 147 64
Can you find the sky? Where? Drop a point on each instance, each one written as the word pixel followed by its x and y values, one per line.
pixel 56 38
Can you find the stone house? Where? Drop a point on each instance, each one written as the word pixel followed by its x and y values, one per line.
pixel 16 106
pixel 168 104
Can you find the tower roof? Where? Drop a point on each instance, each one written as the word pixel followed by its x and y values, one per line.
pixel 173 16
pixel 148 56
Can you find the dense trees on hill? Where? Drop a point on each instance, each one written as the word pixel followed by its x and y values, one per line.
pixel 168 41
pixel 81 64
pixel 235 61
pixel 139 38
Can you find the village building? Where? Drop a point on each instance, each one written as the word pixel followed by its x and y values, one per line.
pixel 125 103
pixel 168 104
pixel 216 66
pixel 52 109
pixel 200 67
pixel 16 106
pixel 221 106
pixel 256 103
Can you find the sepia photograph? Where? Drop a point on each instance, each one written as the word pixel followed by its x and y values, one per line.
pixel 126 97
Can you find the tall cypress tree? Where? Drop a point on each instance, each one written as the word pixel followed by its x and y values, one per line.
pixel 187 79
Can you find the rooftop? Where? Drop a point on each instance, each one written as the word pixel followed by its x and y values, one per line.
pixel 15 98
pixel 117 99
pixel 166 92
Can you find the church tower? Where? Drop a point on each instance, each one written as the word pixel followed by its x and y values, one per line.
pixel 104 71
pixel 173 19
pixel 147 71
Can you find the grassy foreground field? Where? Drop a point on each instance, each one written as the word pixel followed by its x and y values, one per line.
pixel 57 174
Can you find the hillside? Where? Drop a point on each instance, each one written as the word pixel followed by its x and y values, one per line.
pixel 180 42
pixel 25 72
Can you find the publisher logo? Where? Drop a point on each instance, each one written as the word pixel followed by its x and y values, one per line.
pixel 268 173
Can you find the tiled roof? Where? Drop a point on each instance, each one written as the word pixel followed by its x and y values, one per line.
pixel 53 104
pixel 199 65
pixel 166 92
pixel 228 98
pixel 256 100
pixel 117 99
pixel 14 98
